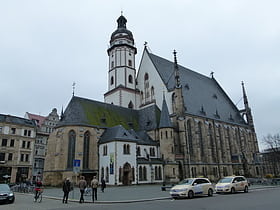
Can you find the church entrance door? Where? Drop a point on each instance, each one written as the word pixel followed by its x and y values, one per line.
pixel 126 174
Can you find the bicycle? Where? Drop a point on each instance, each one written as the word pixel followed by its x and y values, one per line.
pixel 38 195
pixel 88 191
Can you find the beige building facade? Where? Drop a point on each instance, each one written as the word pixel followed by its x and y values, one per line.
pixel 17 140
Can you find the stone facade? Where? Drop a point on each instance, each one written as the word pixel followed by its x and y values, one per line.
pixel 199 130
pixel 59 159
pixel 17 140
pixel 44 126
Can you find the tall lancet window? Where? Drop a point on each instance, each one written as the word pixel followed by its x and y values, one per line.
pixel 71 148
pixel 202 153
pixel 86 150
pixel 146 87
pixel 190 138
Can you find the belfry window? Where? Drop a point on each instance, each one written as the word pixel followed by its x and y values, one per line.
pixel 130 63
pixel 112 80
pixel 130 79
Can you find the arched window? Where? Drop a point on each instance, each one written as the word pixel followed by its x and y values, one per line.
pixel 112 80
pixel 130 63
pixel 120 174
pixel 146 77
pixel 212 144
pixel 159 173
pixel 140 173
pixel 107 174
pixel 128 149
pixel 152 92
pixel 130 79
pixel 130 105
pixel 71 148
pixel 124 149
pixel 144 173
pixel 138 151
pixel 190 139
pixel 201 141
pixel 86 150
pixel 102 173
pixel 221 143
pixel 156 173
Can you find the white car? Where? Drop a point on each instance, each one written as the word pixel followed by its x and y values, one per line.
pixel 188 188
pixel 231 184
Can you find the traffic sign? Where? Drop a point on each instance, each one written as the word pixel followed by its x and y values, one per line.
pixel 76 163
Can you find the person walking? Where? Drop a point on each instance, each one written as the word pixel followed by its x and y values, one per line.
pixel 66 187
pixel 94 185
pixel 82 186
pixel 103 184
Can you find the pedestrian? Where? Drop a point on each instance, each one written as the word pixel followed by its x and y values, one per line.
pixel 103 184
pixel 66 189
pixel 82 186
pixel 38 187
pixel 94 185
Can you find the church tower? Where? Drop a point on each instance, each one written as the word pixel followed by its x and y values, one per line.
pixel 122 72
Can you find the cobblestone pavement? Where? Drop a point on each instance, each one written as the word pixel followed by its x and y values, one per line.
pixel 134 193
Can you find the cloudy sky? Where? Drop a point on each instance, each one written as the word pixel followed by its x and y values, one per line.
pixel 46 45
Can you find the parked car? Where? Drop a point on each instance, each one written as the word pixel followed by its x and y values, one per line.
pixel 6 194
pixel 188 188
pixel 231 184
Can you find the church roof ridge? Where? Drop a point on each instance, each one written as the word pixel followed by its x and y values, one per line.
pixel 212 98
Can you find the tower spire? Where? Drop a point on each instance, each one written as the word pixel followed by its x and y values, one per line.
pixel 176 69
pixel 248 112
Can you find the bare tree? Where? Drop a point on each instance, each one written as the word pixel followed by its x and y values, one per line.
pixel 272 152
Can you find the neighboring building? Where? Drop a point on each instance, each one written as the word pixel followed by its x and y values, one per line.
pixel 189 122
pixel 17 139
pixel 270 161
pixel 44 126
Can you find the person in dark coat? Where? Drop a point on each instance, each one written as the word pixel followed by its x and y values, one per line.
pixel 66 189
pixel 103 184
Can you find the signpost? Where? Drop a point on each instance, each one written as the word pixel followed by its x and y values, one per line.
pixel 76 170
pixel 76 166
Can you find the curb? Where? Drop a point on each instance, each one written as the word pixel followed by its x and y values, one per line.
pixel 101 202
pixel 127 201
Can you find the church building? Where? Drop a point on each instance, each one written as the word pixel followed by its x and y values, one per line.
pixel 161 123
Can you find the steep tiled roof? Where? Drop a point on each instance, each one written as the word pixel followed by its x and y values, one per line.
pixel 165 121
pixel 203 96
pixel 143 138
pixel 81 111
pixel 38 118
pixel 16 120
pixel 116 133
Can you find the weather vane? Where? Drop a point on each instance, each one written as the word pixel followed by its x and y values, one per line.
pixel 73 86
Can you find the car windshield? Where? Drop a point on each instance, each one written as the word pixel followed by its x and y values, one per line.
pixel 186 182
pixel 4 187
pixel 225 180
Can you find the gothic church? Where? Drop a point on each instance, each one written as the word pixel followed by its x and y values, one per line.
pixel 161 123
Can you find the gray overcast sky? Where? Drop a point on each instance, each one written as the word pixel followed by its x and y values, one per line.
pixel 47 45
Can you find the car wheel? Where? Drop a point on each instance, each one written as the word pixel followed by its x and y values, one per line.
pixel 232 190
pixel 190 194
pixel 210 192
pixel 246 189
